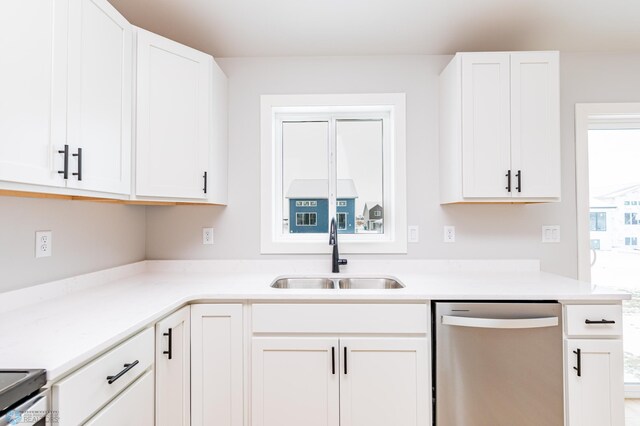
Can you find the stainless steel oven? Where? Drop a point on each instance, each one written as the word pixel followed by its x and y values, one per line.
pixel 498 364
pixel 22 400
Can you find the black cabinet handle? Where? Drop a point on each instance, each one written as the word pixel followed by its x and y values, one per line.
pixel 127 367
pixel 65 171
pixel 205 182
pixel 345 360
pixel 508 176
pixel 170 351
pixel 519 176
pixel 333 360
pixel 79 155
pixel 578 369
pixel 602 321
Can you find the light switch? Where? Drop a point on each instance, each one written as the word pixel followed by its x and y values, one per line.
pixel 551 234
pixel 414 234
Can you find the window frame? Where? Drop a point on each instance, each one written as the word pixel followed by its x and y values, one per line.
pixel 311 214
pixel 278 108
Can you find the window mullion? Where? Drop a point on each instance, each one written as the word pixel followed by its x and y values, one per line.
pixel 333 169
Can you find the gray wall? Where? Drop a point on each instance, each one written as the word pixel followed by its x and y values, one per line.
pixel 483 231
pixel 86 237
pixel 92 236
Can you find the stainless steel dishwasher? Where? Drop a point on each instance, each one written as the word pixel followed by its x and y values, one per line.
pixel 498 364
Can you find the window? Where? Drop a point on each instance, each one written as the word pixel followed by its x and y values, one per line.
pixel 630 241
pixel 347 154
pixel 342 221
pixel 598 221
pixel 631 219
pixel 306 219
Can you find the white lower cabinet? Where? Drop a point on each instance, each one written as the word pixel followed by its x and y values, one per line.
pixel 133 407
pixel 217 364
pixel 119 381
pixel 384 381
pixel 594 365
pixel 295 382
pixel 366 373
pixel 595 382
pixel 347 382
pixel 173 369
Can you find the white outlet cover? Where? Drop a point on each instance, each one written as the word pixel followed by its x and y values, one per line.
pixel 413 234
pixel 207 236
pixel 449 234
pixel 43 243
pixel 551 234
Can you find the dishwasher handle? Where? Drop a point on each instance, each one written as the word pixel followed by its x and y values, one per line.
pixel 499 322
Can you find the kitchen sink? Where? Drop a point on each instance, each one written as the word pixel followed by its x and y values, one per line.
pixel 369 283
pixel 341 283
pixel 303 283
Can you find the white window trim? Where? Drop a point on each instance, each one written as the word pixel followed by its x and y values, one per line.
pixel 394 240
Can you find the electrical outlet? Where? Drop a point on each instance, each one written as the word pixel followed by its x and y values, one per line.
pixel 551 234
pixel 207 236
pixel 414 234
pixel 43 243
pixel 449 234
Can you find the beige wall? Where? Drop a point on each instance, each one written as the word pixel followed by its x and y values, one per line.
pixel 483 231
pixel 86 237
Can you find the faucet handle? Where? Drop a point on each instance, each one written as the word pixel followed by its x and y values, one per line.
pixel 342 261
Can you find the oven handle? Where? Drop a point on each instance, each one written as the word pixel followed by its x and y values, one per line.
pixel 499 322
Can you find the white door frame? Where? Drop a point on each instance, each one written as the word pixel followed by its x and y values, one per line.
pixel 589 116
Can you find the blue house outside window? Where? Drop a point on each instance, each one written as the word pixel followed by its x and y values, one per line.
pixel 309 206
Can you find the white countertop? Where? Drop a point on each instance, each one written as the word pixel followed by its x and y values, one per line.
pixel 62 325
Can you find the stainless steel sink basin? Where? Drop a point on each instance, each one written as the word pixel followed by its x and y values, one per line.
pixel 369 283
pixel 303 283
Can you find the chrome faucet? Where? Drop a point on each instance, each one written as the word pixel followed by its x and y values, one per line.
pixel 333 241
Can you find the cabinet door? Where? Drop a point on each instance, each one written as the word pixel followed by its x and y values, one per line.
pixel 383 382
pixel 295 382
pixel 596 396
pixel 33 37
pixel 173 118
pixel 216 365
pixel 133 407
pixel 99 101
pixel 173 369
pixel 535 124
pixel 485 124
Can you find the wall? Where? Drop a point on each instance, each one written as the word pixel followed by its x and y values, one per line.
pixel 483 231
pixel 86 237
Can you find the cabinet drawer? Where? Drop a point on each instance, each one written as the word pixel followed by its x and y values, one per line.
pixel 593 320
pixel 133 407
pixel 339 318
pixel 82 393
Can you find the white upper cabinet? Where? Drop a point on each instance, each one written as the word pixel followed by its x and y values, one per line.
pixel 66 95
pixel 485 132
pixel 535 124
pixel 174 87
pixel 32 90
pixel 500 128
pixel 100 97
